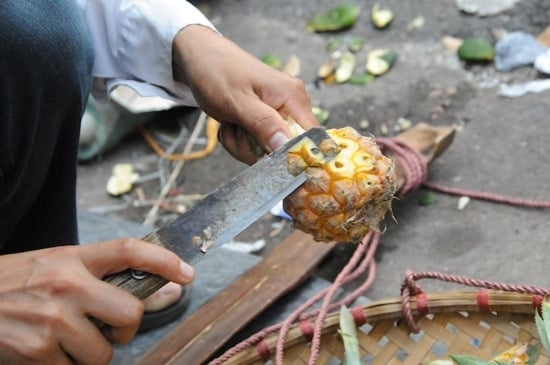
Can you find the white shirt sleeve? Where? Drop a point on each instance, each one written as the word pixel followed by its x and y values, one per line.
pixel 133 45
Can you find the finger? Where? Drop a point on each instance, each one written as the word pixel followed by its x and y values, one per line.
pixel 265 124
pixel 120 335
pixel 298 106
pixel 22 344
pixel 85 343
pixel 121 254
pixel 234 140
pixel 26 333
pixel 162 298
pixel 111 305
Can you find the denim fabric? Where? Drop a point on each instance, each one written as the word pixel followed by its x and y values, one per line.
pixel 46 58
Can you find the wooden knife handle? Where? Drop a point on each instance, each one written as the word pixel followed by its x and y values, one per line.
pixel 139 283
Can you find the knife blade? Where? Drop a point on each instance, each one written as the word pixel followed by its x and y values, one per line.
pixel 222 214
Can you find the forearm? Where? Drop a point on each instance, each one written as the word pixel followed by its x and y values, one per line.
pixel 194 45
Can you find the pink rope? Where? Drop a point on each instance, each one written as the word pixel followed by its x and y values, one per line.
pixel 410 288
pixel 412 163
pixel 341 279
pixel 361 260
pixel 414 167
pixel 495 198
pixel 415 170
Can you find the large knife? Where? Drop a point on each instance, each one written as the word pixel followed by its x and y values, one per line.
pixel 222 214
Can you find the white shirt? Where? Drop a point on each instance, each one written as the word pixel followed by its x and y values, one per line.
pixel 133 45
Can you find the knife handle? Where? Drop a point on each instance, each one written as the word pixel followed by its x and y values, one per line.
pixel 139 283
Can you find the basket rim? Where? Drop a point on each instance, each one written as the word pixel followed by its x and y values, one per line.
pixel 482 300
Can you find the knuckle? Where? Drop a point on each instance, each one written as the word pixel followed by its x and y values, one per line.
pixel 37 347
pixel 298 84
pixel 59 284
pixel 127 246
pixel 51 318
pixel 104 353
pixel 135 311
pixel 131 313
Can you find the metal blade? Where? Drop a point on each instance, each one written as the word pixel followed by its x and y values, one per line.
pixel 222 214
pixel 231 208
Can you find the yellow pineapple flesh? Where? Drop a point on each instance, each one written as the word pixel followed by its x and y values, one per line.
pixel 345 198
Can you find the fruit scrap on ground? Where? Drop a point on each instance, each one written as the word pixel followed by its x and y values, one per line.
pixel 381 18
pixel 380 61
pixel 337 18
pixel 122 179
pixel 344 197
pixel 476 50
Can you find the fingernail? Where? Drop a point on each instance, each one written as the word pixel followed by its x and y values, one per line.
pixel 277 140
pixel 187 270
pixel 170 290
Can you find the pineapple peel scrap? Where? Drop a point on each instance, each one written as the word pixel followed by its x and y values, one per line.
pixel 381 18
pixel 122 179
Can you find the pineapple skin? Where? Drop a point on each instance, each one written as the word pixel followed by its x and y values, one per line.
pixel 343 199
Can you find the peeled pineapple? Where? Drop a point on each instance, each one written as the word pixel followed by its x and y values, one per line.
pixel 345 198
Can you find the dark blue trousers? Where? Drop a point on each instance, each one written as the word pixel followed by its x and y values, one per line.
pixel 46 58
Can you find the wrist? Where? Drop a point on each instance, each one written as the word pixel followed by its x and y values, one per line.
pixel 189 46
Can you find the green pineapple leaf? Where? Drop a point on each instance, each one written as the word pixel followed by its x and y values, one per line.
pixel 542 326
pixel 533 352
pixel 469 360
pixel 348 331
pixel 546 317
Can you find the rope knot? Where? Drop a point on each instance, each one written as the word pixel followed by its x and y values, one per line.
pixel 408 288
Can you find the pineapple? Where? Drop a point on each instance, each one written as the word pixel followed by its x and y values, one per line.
pixel 345 198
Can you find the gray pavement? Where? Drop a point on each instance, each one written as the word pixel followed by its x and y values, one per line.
pixel 502 145
pixel 213 274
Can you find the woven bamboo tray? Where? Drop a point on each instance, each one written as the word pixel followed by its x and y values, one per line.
pixel 478 323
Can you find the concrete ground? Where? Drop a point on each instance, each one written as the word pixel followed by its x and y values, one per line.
pixel 501 145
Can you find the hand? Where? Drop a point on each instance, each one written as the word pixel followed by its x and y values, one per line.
pixel 240 91
pixel 47 297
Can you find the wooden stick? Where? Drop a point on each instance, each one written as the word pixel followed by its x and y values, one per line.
pixel 214 323
pixel 152 215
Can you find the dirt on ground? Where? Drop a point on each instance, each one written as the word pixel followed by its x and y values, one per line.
pixel 497 139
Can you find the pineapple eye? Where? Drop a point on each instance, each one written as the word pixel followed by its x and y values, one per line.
pixel 338 164
pixel 314 150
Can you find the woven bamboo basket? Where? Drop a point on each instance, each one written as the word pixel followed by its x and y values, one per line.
pixel 451 322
